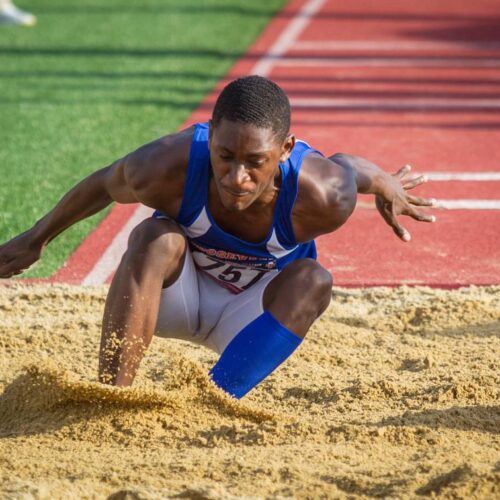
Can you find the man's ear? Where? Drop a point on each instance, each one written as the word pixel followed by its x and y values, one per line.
pixel 286 149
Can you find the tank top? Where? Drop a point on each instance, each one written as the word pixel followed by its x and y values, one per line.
pixel 230 261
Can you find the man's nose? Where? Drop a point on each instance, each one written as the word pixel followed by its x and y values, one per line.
pixel 238 174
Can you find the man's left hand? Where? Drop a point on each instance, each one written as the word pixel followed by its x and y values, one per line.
pixel 392 199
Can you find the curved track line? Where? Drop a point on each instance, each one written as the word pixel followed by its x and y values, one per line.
pixel 105 266
pixel 288 37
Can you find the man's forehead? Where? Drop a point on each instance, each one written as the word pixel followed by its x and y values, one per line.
pixel 235 135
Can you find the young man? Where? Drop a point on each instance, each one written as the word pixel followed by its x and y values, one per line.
pixel 228 259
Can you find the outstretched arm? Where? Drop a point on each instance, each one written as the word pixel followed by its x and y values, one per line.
pixel 85 199
pixel 391 191
pixel 149 175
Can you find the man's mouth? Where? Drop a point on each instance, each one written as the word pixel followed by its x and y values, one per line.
pixel 238 194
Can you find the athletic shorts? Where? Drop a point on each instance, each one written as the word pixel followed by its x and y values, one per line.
pixel 197 309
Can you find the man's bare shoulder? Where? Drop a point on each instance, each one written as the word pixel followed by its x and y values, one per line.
pixel 163 158
pixel 326 197
pixel 157 171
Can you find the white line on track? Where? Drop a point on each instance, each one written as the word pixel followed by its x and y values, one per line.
pixel 450 204
pixel 400 103
pixel 399 45
pixel 287 38
pixel 388 62
pixel 463 176
pixel 109 260
pixel 468 204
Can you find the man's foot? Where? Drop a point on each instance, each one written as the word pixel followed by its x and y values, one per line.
pixel 10 14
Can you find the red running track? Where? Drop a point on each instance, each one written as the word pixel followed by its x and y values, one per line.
pixel 398 82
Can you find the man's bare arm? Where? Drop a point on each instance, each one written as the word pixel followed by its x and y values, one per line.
pixel 151 175
pixel 326 198
pixel 328 190
pixel 391 191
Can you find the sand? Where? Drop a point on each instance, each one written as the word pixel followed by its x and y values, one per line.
pixel 394 394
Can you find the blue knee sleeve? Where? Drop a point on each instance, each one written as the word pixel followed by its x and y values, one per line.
pixel 253 354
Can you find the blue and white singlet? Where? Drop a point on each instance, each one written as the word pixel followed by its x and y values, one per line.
pixel 232 262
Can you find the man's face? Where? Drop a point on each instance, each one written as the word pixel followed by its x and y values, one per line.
pixel 245 161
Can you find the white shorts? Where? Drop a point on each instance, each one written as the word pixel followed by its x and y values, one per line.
pixel 197 309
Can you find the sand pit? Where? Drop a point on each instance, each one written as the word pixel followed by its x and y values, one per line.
pixel 395 394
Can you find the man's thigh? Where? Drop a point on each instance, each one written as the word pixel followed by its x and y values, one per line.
pixel 197 309
pixel 191 306
pixel 178 316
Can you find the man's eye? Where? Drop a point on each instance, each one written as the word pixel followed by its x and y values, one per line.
pixel 225 157
pixel 256 163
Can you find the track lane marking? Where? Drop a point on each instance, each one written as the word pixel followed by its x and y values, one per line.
pixel 390 103
pixel 108 261
pixel 288 37
pixel 462 204
pixel 372 45
pixel 463 176
pixel 383 62
pixel 468 204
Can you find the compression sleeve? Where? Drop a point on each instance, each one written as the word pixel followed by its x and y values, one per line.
pixel 253 354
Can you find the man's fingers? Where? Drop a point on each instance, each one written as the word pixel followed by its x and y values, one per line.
pixel 423 217
pixel 4 267
pixel 417 215
pixel 6 274
pixel 421 202
pixel 7 271
pixel 14 266
pixel 402 171
pixel 387 213
pixel 416 181
pixel 400 231
pixel 11 272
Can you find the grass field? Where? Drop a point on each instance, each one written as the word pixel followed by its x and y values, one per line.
pixel 95 79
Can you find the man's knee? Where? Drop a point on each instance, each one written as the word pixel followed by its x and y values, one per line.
pixel 300 293
pixel 156 241
pixel 311 280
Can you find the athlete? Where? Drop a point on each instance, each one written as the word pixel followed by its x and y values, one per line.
pixel 228 259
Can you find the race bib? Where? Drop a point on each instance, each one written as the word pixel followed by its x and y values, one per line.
pixel 235 277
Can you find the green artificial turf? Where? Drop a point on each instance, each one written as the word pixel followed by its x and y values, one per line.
pixel 93 80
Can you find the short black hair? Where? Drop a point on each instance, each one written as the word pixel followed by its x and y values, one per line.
pixel 254 100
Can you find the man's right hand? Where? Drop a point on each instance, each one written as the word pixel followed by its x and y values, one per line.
pixel 19 254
